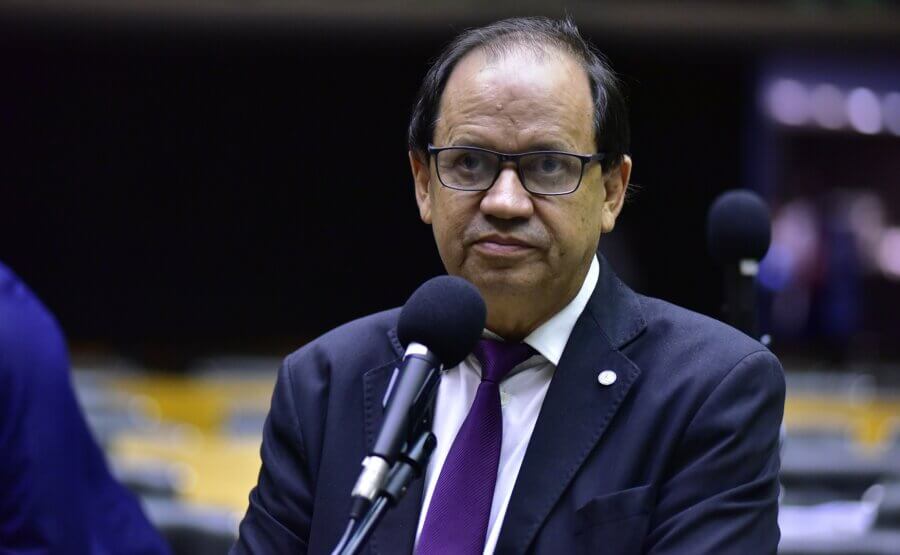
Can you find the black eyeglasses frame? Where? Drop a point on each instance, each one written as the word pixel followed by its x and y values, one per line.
pixel 585 159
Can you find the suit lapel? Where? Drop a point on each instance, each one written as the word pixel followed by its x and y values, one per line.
pixel 397 530
pixel 577 409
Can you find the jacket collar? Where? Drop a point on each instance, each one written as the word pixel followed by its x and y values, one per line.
pixel 615 308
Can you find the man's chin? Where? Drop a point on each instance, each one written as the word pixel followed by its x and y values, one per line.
pixel 503 281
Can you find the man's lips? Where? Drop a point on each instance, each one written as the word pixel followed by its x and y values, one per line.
pixel 500 245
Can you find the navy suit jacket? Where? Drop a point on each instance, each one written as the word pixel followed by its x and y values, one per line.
pixel 679 455
pixel 57 495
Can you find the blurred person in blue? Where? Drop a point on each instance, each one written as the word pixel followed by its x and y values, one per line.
pixel 56 492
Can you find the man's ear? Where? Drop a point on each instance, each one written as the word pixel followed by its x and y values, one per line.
pixel 421 172
pixel 616 184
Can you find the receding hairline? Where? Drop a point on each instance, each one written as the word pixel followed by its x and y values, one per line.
pixel 538 44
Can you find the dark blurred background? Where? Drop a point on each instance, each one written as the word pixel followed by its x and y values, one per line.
pixel 183 180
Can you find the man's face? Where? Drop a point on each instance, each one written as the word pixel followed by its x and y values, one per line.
pixel 513 245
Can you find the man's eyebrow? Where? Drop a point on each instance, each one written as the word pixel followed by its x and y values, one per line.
pixel 550 145
pixel 470 140
pixel 531 147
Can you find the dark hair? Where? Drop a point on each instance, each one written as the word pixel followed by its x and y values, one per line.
pixel 610 112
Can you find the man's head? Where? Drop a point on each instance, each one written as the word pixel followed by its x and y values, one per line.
pixel 518 86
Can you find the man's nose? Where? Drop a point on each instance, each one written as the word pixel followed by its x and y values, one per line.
pixel 507 198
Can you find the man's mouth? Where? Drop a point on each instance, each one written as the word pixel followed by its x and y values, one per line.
pixel 500 245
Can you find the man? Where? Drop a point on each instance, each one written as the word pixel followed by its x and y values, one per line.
pixel 628 425
pixel 56 492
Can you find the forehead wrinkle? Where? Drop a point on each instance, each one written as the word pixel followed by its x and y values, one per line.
pixel 526 115
pixel 486 134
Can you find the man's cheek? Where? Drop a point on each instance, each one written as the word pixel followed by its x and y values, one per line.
pixel 449 243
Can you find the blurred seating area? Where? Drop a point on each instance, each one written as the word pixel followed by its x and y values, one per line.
pixel 188 444
pixel 840 466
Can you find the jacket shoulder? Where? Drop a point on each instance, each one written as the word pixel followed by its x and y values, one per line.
pixel 683 348
pixel 365 342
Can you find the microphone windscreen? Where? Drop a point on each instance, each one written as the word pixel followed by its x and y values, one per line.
pixel 447 315
pixel 738 227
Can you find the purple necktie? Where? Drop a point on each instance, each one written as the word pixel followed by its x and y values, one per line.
pixel 460 508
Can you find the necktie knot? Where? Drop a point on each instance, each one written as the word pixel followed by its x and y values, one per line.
pixel 497 358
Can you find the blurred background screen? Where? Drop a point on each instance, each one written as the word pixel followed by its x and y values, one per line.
pixel 196 189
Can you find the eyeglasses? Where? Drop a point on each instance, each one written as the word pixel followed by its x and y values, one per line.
pixel 543 172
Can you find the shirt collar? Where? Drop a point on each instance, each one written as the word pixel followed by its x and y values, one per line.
pixel 550 338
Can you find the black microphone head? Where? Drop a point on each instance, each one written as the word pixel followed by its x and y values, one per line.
pixel 447 315
pixel 738 227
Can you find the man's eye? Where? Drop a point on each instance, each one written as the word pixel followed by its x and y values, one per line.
pixel 549 164
pixel 468 162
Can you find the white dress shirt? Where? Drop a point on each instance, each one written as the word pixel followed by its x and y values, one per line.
pixel 521 396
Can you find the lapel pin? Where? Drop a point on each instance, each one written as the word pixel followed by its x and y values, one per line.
pixel 607 377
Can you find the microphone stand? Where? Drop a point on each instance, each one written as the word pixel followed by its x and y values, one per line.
pixel 740 296
pixel 409 466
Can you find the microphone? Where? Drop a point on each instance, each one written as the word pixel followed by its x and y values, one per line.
pixel 738 233
pixel 440 324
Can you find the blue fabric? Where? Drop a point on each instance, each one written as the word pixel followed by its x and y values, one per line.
pixel 679 455
pixel 56 492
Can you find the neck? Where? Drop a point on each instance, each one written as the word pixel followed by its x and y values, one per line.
pixel 514 316
pixel 512 327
